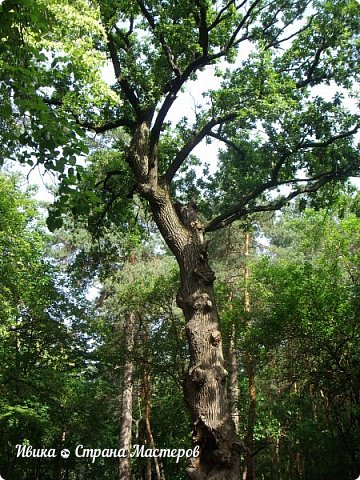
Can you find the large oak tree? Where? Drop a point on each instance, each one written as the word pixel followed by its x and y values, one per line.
pixel 276 127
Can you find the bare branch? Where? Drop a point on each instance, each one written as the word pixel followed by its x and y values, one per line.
pixel 174 88
pixel 124 37
pixel 220 17
pixel 52 101
pixel 276 41
pixel 120 122
pixel 272 21
pixel 231 144
pixel 108 176
pixel 107 208
pixel 192 143
pixel 232 42
pixel 310 79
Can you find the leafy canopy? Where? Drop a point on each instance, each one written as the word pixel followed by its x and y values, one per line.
pixel 277 130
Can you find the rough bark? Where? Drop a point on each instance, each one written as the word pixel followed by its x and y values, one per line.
pixel 249 438
pixel 214 429
pixel 126 398
pixel 205 383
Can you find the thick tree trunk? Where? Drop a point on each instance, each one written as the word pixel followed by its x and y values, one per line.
pixel 205 382
pixel 126 400
pixel 206 396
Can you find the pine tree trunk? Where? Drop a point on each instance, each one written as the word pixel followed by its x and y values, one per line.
pixel 126 400
pixel 234 378
pixel 250 371
pixel 149 436
pixel 249 438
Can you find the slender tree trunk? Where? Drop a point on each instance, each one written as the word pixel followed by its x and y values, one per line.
pixel 234 377
pixel 148 469
pixel 150 439
pixel 250 371
pixel 126 400
pixel 249 438
pixel 139 472
pixel 62 471
pixel 205 382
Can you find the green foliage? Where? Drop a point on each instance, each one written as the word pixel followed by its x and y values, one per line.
pixel 53 49
pixel 146 286
pixel 305 310
pixel 278 132
pixel 56 88
pixel 46 388
pixel 106 181
pixel 302 331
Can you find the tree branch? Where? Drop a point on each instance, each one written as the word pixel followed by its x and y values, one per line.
pixel 107 208
pixel 228 142
pixel 331 140
pixel 220 17
pixel 174 87
pixel 203 28
pixel 276 41
pixel 121 122
pixel 232 42
pixel 173 90
pixel 124 84
pixel 105 180
pixel 192 143
pixel 315 63
pixel 241 210
pixel 125 36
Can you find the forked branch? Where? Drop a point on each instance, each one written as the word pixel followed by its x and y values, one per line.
pixel 195 139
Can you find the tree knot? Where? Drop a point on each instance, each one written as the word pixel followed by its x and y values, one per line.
pixel 215 338
pixel 198 375
pixel 199 301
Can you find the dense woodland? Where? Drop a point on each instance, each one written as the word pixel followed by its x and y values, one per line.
pixel 160 299
pixel 63 359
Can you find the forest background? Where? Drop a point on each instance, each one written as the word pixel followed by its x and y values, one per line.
pixel 139 214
